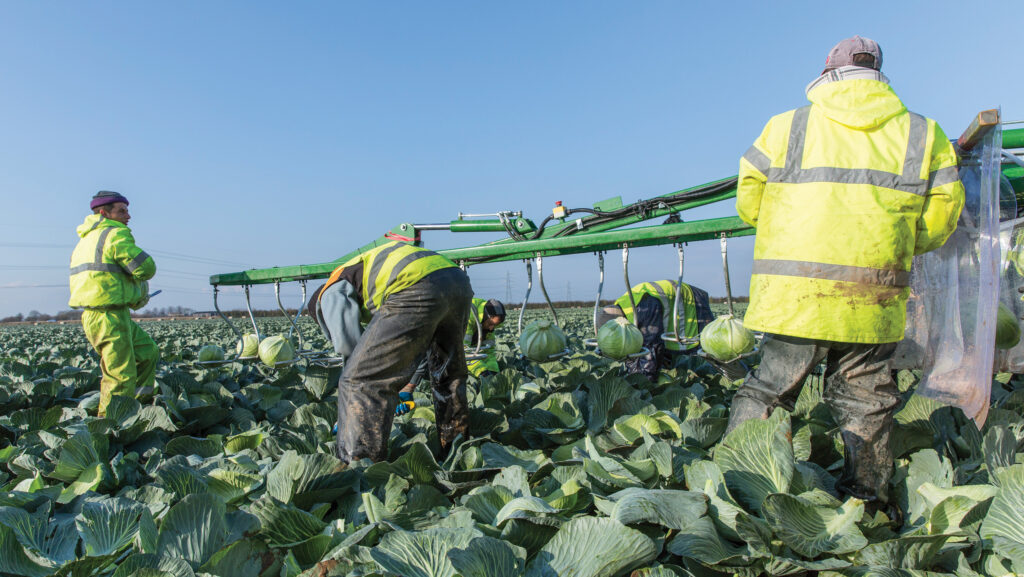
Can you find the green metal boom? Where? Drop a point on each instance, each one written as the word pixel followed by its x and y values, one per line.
pixel 582 231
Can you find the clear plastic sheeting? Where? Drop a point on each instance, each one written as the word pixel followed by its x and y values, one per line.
pixel 1011 280
pixel 951 314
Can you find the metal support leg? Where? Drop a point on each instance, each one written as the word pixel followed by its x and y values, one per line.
pixel 544 291
pixel 625 274
pixel 234 329
pixel 725 271
pixel 600 287
pixel 526 299
pixel 252 317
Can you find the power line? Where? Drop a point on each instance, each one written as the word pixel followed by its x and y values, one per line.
pixel 35 286
pixel 36 245
pixel 197 259
pixel 162 253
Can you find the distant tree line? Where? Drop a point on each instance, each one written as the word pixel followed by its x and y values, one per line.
pixel 74 315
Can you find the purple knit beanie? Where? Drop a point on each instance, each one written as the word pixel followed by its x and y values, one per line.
pixel 105 197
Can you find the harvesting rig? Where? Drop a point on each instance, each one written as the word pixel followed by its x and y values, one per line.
pixel 994 178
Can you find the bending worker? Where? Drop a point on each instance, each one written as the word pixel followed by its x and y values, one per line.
pixel 843 192
pixel 490 314
pixel 654 315
pixel 415 302
pixel 108 277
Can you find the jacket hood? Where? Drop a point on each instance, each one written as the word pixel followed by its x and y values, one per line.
pixel 861 104
pixel 95 221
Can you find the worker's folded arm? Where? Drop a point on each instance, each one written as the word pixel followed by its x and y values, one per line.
pixel 944 197
pixel 129 256
pixel 754 165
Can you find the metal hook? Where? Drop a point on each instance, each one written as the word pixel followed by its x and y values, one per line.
pixel 629 287
pixel 234 329
pixel 252 317
pixel 725 271
pixel 529 287
pixel 298 313
pixel 294 322
pixel 600 287
pixel 544 291
pixel 679 291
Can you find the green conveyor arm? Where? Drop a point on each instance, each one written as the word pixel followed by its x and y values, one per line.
pixel 591 233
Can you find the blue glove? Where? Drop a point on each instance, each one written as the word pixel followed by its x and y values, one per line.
pixel 405 404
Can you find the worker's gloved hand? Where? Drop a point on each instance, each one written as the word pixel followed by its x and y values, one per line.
pixel 405 404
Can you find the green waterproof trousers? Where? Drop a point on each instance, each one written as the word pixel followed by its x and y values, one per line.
pixel 859 392
pixel 128 355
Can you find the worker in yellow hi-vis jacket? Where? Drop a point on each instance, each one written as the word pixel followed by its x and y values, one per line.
pixel 490 314
pixel 843 193
pixel 414 303
pixel 108 277
pixel 655 314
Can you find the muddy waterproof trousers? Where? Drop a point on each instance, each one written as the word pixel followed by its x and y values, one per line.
pixel 428 317
pixel 128 355
pixel 859 392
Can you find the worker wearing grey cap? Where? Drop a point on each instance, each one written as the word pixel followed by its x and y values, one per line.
pixel 843 193
pixel 109 275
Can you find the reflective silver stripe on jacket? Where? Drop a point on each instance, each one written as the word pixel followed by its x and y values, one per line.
pixel 943 176
pixel 136 262
pixel 98 258
pixel 909 180
pixel 404 262
pixel 371 279
pixel 665 301
pixel 834 272
pixel 758 159
pixel 371 285
pixel 98 265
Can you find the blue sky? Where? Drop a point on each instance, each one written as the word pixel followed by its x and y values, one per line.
pixel 259 134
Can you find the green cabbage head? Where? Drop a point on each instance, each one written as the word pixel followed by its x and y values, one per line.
pixel 211 353
pixel 276 349
pixel 540 340
pixel 1007 328
pixel 619 338
pixel 249 346
pixel 725 338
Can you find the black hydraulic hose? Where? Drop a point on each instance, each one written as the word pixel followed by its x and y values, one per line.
pixel 639 208
pixel 642 207
pixel 540 229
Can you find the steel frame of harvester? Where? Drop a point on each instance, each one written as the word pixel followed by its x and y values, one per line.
pixel 608 225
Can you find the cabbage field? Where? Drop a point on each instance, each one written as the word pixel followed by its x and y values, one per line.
pixel 571 468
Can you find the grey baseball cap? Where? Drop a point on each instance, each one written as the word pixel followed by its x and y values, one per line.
pixel 842 53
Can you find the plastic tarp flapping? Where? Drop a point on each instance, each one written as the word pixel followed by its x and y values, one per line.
pixel 1011 280
pixel 950 334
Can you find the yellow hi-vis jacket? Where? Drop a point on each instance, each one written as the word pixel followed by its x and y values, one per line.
pixel 356 290
pixel 843 193
pixel 665 292
pixel 388 269
pixel 476 368
pixel 107 268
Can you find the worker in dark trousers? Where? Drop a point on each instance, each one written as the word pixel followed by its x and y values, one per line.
pixel 414 302
pixel 654 316
pixel 843 193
